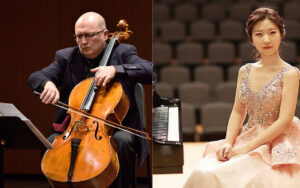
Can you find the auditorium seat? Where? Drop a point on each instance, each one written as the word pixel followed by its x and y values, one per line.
pixel 291 10
pixel 232 30
pixel 202 30
pixel 175 75
pixel 233 72
pixel 161 14
pixel 224 3
pixel 164 89
pixel 171 2
pixel 209 74
pixel 288 51
pixel 194 93
pixel 293 29
pixel 197 2
pixel 162 53
pixel 173 31
pixel 246 52
pixel 215 116
pixel 188 118
pixel 185 12
pixel 221 52
pixel 225 92
pixel 213 12
pixel 240 11
pixel 190 53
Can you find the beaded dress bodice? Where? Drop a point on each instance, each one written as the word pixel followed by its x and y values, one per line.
pixel 263 105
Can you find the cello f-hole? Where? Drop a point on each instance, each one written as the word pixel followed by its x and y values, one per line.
pixel 68 134
pixel 96 131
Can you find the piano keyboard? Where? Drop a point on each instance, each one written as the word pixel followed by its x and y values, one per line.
pixel 166 124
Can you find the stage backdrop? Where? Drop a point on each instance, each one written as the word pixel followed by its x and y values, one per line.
pixel 31 31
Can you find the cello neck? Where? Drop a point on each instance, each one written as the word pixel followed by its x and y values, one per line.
pixel 108 51
pixel 89 98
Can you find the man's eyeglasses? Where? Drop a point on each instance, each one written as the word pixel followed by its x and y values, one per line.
pixel 87 36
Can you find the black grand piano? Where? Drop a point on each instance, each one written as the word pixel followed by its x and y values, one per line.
pixel 167 135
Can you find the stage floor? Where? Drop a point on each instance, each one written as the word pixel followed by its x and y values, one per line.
pixel 192 152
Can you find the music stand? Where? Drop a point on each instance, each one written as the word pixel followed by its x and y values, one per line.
pixel 18 134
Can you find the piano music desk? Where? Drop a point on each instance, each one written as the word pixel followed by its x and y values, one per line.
pixel 192 152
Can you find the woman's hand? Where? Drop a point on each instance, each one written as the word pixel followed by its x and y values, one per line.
pixel 241 149
pixel 222 153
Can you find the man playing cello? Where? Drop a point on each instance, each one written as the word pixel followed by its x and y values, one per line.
pixel 72 65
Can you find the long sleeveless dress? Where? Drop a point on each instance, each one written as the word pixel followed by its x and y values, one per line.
pixel 272 165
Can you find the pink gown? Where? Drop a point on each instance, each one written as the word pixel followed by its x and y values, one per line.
pixel 272 165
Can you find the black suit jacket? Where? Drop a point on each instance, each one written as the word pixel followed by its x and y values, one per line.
pixel 68 69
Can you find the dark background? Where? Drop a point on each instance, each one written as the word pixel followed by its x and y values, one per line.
pixel 31 31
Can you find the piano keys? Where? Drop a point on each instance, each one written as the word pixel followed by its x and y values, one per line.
pixel 167 136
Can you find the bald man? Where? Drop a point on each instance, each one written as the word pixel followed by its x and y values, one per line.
pixel 74 64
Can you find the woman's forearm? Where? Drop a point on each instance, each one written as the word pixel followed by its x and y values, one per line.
pixel 234 125
pixel 272 132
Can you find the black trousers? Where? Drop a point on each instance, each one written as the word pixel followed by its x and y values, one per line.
pixel 126 154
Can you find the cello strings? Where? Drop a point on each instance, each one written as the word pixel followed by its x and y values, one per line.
pixel 100 120
pixel 106 122
pixel 110 123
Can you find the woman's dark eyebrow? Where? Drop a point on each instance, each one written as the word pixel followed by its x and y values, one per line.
pixel 259 30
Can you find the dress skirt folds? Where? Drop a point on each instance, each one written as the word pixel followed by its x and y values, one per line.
pixel 272 165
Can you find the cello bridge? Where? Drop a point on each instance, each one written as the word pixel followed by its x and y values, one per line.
pixel 79 125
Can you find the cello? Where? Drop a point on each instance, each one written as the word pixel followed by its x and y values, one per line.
pixel 84 155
